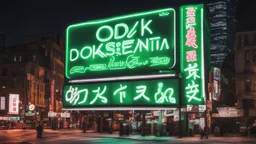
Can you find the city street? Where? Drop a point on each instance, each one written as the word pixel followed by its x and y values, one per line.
pixel 77 137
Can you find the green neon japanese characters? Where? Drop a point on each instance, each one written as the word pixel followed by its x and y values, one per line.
pixel 192 53
pixel 162 92
pixel 142 43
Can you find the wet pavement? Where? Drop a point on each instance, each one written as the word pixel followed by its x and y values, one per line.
pixel 77 137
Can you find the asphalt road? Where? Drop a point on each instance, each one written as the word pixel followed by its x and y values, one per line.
pixel 77 137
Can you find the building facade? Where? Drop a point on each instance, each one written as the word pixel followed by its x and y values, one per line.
pixel 222 28
pixel 34 71
pixel 245 62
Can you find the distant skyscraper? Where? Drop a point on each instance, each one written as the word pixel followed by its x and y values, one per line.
pixel 222 15
pixel 2 41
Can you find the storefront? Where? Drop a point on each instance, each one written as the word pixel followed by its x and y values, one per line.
pixel 9 122
pixel 169 119
pixel 57 120
pixel 230 119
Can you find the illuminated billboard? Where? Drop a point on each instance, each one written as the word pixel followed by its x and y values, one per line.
pixel 2 103
pixel 14 104
pixel 146 93
pixel 192 53
pixel 136 44
pixel 216 74
pixel 108 62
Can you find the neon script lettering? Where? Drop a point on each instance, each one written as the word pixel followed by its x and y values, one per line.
pixel 131 62
pixel 191 33
pixel 109 94
pixel 161 97
pixel 118 40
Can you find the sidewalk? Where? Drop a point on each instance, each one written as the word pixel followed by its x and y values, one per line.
pixel 114 135
pixel 196 138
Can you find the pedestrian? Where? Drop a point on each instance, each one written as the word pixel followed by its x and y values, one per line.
pixel 121 129
pixel 127 130
pixel 58 125
pixel 201 133
pixel 84 127
pixel 206 132
pixel 249 131
pixel 191 132
pixel 110 129
pixel 221 131
pixel 217 131
pixel 39 130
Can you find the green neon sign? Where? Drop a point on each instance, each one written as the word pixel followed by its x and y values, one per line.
pixel 142 43
pixel 192 53
pixel 161 92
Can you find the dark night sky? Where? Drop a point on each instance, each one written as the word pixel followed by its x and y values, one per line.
pixel 19 18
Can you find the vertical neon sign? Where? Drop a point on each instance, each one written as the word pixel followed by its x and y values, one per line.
pixel 192 53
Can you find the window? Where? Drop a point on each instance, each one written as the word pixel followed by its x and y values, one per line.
pixel 21 83
pixel 32 70
pixel 248 103
pixel 38 94
pixel 14 71
pixel 246 39
pixel 254 55
pixel 34 57
pixel 3 83
pixel 14 83
pixel 22 70
pixel 254 38
pixel 5 60
pixel 239 43
pixel 254 84
pixel 248 85
pixel 46 52
pixel 20 58
pixel 41 88
pixel 247 56
pixel 4 72
pixel 14 59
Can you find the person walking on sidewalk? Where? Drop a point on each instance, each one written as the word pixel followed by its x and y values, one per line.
pixel 121 129
pixel 217 131
pixel 249 131
pixel 110 129
pixel 39 130
pixel 127 130
pixel 206 132
pixel 84 127
pixel 201 131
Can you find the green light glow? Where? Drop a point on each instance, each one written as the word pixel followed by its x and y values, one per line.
pixel 99 95
pixel 192 53
pixel 162 92
pixel 122 92
pixel 142 43
pixel 163 95
pixel 141 92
